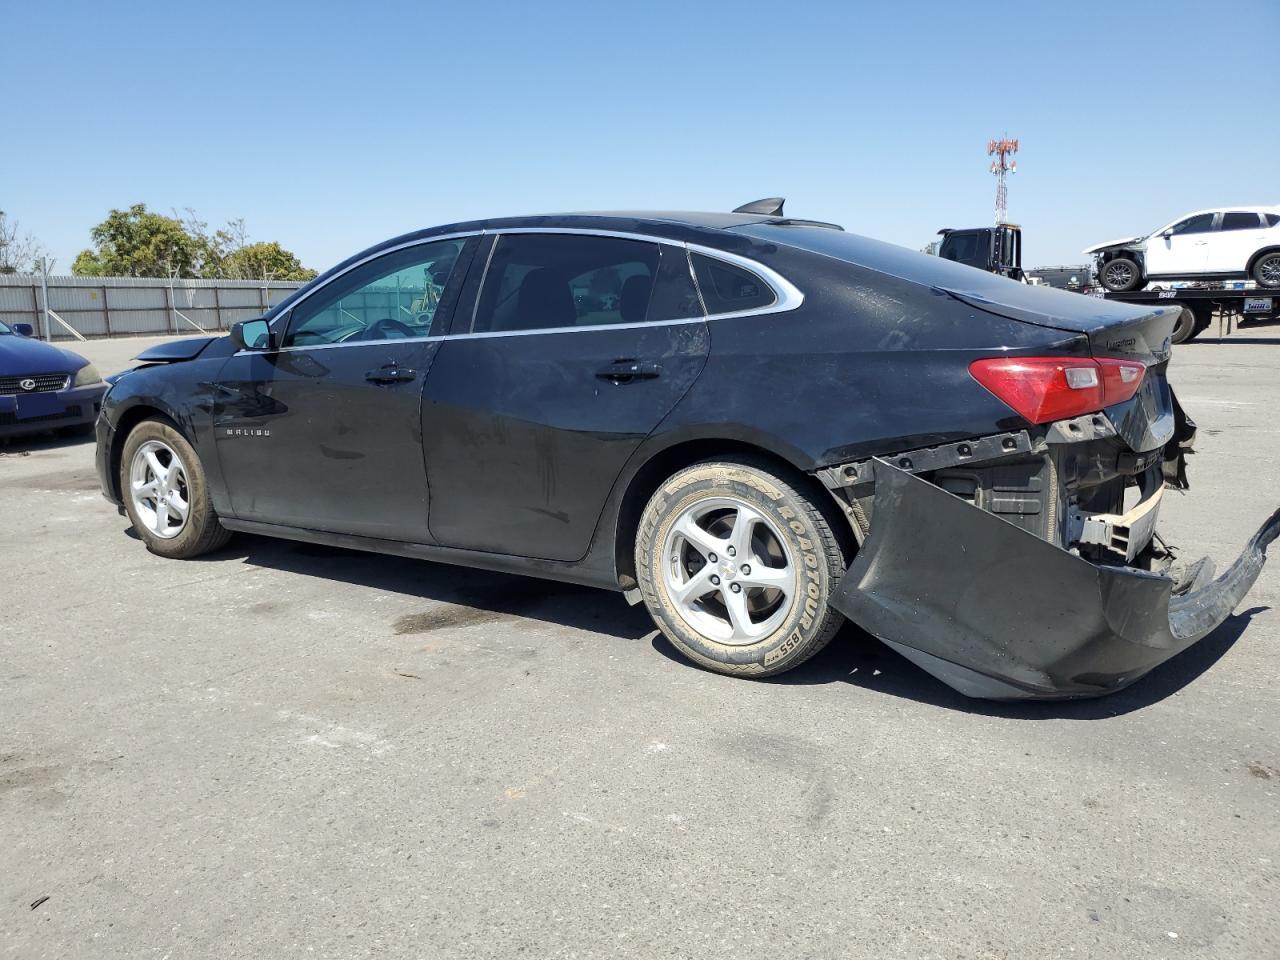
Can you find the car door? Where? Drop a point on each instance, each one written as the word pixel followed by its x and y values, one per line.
pixel 576 348
pixel 1180 249
pixel 1239 235
pixel 324 429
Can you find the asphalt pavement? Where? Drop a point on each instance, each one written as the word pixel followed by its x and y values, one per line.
pixel 288 750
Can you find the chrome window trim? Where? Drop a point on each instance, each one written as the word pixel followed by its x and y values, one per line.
pixel 420 242
pixel 789 297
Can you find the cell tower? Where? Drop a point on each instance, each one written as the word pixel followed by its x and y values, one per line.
pixel 1002 150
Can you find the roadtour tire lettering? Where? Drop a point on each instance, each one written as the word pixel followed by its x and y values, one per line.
pixel 817 553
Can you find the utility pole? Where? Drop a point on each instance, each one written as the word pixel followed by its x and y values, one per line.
pixel 46 333
pixel 1002 150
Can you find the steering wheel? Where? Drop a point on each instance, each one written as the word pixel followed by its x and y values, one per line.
pixel 379 328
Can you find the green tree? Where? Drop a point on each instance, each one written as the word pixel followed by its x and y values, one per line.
pixel 139 243
pixel 263 261
pixel 87 264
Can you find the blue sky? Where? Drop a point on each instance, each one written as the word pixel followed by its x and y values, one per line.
pixel 331 126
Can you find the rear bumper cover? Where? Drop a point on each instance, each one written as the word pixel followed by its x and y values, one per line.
pixel 996 612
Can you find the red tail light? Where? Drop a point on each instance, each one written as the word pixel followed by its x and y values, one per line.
pixel 1044 389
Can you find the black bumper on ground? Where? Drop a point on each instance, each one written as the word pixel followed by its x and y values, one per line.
pixel 36 413
pixel 998 613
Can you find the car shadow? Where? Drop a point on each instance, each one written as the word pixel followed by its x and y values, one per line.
pixel 473 595
pixel 857 658
pixel 853 657
pixel 1233 340
pixel 27 443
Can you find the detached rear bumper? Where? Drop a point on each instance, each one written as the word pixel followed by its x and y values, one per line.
pixel 996 612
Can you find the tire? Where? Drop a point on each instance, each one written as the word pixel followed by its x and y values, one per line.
pixel 740 509
pixel 1120 273
pixel 147 460
pixel 1185 329
pixel 1266 271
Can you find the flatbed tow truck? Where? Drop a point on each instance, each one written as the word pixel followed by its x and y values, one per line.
pixel 1201 302
pixel 998 249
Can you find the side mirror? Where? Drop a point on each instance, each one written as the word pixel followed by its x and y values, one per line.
pixel 24 330
pixel 251 335
pixel 1167 233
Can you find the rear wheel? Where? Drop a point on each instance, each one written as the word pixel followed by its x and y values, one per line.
pixel 166 495
pixel 1120 274
pixel 1267 270
pixel 1187 326
pixel 736 567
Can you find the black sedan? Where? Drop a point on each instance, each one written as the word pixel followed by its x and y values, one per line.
pixel 43 387
pixel 756 425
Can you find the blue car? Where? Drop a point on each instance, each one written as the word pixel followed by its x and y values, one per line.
pixel 43 387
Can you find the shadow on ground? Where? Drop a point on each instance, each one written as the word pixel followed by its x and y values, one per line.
pixel 473 595
pixel 853 657
pixel 27 443
pixel 857 658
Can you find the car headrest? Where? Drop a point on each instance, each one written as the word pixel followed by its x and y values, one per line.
pixel 634 300
pixel 545 300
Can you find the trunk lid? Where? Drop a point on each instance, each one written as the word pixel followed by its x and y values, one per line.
pixel 1114 329
pixel 1146 421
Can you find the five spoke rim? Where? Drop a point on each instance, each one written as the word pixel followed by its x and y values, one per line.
pixel 728 571
pixel 159 490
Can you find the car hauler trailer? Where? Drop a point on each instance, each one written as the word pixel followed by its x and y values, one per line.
pixel 1200 303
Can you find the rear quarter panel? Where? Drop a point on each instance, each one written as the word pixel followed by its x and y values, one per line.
pixel 868 364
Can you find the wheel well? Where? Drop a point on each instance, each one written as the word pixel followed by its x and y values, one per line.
pixel 1258 256
pixel 667 462
pixel 128 420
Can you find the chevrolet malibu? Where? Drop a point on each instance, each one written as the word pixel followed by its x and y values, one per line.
pixel 43 387
pixel 755 425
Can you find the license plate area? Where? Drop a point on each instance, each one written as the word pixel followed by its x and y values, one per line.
pixel 1258 304
pixel 38 405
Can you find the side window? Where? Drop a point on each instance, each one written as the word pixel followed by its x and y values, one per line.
pixel 1273 219
pixel 1241 221
pixel 727 288
pixel 394 297
pixel 538 281
pixel 1201 223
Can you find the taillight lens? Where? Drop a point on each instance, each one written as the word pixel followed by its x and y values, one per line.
pixel 1044 389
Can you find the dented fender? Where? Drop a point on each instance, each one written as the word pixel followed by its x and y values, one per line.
pixel 996 612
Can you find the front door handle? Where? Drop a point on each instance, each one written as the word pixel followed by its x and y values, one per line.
pixel 390 374
pixel 629 371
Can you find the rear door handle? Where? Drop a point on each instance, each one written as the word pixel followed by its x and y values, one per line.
pixel 629 371
pixel 390 374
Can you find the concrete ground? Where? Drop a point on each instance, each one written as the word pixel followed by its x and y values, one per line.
pixel 286 750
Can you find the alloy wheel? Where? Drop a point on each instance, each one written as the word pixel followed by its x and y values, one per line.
pixel 1269 270
pixel 728 571
pixel 159 490
pixel 1119 274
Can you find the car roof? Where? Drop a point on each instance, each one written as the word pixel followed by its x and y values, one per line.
pixel 1251 208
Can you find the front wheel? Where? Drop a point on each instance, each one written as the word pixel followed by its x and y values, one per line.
pixel 1121 274
pixel 1267 270
pixel 166 495
pixel 736 567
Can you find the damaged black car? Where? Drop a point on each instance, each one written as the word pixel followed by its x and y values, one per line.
pixel 755 425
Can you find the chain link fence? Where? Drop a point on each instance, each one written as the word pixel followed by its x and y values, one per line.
pixel 66 308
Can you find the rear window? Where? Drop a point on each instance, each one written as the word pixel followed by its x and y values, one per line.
pixel 1237 220
pixel 549 281
pixel 727 288
pixel 1273 219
